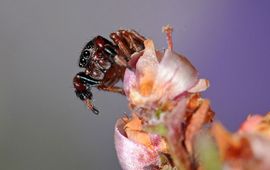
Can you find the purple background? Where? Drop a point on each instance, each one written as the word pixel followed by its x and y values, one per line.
pixel 44 126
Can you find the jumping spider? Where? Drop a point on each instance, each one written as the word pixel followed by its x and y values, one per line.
pixel 105 63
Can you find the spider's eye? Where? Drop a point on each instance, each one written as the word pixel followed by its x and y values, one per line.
pixel 82 62
pixel 86 53
pixel 84 58
pixel 89 45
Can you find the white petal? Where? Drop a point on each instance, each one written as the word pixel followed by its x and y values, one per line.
pixel 146 68
pixel 129 81
pixel 176 74
pixel 201 85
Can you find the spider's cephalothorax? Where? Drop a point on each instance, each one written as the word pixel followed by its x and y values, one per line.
pixel 105 62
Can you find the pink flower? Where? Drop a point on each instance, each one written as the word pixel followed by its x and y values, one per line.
pixel 256 124
pixel 160 77
pixel 156 81
pixel 250 124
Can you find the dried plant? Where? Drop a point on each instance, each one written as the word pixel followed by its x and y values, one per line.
pixel 171 126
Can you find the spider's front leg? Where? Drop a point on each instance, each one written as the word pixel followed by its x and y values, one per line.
pixel 133 39
pixel 129 42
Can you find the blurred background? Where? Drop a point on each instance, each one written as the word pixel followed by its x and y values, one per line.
pixel 43 126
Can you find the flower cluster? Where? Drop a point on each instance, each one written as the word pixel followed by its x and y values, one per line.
pixel 171 126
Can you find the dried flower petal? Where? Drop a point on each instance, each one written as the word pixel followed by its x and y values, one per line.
pixel 134 123
pixel 131 155
pixel 136 133
pixel 139 137
pixel 198 119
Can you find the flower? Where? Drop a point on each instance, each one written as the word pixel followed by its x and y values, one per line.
pixel 163 92
pixel 248 148
pixel 170 126
pixel 257 124
pixel 158 78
